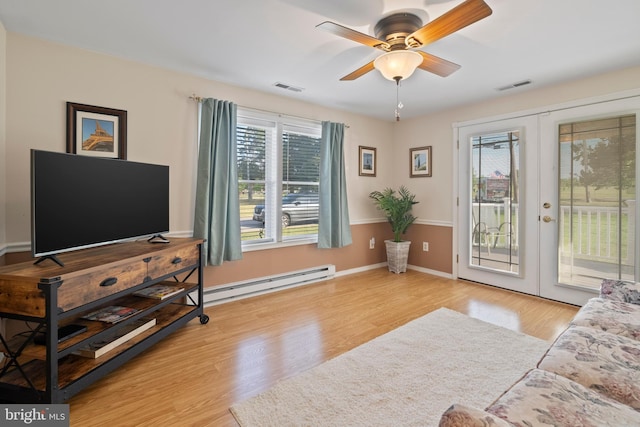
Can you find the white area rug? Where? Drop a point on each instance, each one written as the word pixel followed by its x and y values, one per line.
pixel 407 377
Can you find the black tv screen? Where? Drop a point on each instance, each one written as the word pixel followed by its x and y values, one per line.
pixel 81 201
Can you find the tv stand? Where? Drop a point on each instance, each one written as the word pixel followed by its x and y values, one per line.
pixel 51 297
pixel 52 257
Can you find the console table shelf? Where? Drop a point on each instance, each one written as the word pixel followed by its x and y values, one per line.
pixel 50 296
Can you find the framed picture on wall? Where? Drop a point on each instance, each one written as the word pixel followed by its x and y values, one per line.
pixel 367 161
pixel 96 131
pixel 420 162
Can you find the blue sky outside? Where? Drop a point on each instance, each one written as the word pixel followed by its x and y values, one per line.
pixel 89 127
pixel 495 156
pixel 497 159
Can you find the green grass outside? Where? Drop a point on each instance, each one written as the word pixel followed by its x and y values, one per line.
pixel 607 196
pixel 584 228
pixel 586 235
pixel 584 244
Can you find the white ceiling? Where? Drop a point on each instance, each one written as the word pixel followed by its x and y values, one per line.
pixel 256 43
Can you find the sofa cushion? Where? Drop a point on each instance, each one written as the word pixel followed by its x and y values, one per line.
pixel 601 361
pixel 465 416
pixel 620 290
pixel 616 317
pixel 543 398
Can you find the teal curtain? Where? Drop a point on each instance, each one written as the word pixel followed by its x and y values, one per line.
pixel 217 211
pixel 334 230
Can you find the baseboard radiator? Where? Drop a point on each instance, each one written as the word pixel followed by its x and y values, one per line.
pixel 264 285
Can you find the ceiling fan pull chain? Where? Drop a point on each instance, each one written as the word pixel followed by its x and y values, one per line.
pixel 398 103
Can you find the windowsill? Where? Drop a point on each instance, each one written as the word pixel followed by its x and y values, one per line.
pixel 277 245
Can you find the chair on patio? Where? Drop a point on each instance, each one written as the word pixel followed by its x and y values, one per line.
pixel 484 235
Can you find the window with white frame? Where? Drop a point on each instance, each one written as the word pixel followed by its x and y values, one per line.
pixel 278 176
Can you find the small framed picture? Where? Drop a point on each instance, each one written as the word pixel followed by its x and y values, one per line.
pixel 96 131
pixel 367 162
pixel 420 162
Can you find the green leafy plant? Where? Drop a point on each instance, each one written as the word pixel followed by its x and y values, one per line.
pixel 397 208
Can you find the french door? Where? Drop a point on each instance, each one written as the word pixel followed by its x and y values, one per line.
pixel 589 220
pixel 547 202
pixel 497 233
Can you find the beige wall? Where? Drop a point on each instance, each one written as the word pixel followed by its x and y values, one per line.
pixel 162 120
pixel 42 76
pixel 3 127
pixel 436 194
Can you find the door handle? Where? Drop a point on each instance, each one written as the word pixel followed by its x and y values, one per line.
pixel 547 218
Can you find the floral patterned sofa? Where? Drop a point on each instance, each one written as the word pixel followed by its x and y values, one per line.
pixel 590 376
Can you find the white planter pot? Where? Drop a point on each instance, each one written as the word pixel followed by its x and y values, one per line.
pixel 397 255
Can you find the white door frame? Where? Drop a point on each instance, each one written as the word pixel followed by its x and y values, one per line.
pixel 542 111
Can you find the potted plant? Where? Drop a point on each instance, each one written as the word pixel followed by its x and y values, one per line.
pixel 397 208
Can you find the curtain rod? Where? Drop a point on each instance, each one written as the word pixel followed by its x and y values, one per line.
pixel 195 98
pixel 199 99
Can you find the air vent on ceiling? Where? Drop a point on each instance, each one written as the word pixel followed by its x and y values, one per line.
pixel 288 87
pixel 514 85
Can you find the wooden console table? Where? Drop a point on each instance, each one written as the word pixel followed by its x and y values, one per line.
pixel 49 296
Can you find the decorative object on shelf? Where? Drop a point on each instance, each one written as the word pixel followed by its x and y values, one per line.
pixel 160 291
pixel 420 162
pixel 397 208
pixel 367 161
pixel 122 335
pixel 111 314
pixel 96 131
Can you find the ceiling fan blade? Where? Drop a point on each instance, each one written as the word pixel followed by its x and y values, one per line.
pixel 437 65
pixel 359 72
pixel 354 35
pixel 457 18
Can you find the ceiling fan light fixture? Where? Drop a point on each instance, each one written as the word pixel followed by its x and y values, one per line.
pixel 397 63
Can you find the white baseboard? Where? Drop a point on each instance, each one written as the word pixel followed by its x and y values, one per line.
pixel 16 247
pixel 384 264
pixel 360 269
pixel 432 272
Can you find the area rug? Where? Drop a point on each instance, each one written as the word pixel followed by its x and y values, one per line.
pixel 407 377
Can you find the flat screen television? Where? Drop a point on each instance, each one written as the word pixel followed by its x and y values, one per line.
pixel 82 201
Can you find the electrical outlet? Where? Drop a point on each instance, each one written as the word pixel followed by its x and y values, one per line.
pixel 425 246
pixel 372 243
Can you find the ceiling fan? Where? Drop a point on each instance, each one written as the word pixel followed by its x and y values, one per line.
pixel 401 33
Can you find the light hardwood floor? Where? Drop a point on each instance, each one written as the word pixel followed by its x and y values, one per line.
pixel 196 374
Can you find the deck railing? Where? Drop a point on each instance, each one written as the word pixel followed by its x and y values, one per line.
pixel 598 233
pixel 604 234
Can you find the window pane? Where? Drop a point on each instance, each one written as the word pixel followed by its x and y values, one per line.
pixel 278 167
pixel 251 180
pixel 300 177
pixel 597 201
pixel 495 207
pixel 300 158
pixel 300 211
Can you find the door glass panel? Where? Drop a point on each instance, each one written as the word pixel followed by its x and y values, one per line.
pixel 495 201
pixel 596 222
